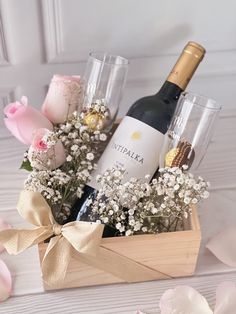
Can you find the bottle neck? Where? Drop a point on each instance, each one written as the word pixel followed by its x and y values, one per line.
pixel 170 91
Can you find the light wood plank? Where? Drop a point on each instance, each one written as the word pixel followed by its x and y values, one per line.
pixel 112 299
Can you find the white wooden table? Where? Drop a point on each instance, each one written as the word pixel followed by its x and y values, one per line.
pixel 28 297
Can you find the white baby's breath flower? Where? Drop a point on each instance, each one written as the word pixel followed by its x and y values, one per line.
pixel 128 233
pixel 117 173
pixel 74 147
pixel 103 108
pixel 137 226
pixel 205 194
pixel 118 225
pixel 90 156
pixel 97 107
pixel 98 178
pixel 176 187
pixel 187 200
pixel 103 137
pixel 154 210
pixel 131 211
pixel 194 201
pixel 105 220
pixel 180 180
pixel 69 158
pixel 196 187
pixel 77 125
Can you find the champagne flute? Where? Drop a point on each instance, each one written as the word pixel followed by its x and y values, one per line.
pixel 190 131
pixel 104 80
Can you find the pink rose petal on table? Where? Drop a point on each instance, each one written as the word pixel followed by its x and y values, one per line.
pixel 183 300
pixel 223 246
pixel 5 281
pixel 3 225
pixel 225 298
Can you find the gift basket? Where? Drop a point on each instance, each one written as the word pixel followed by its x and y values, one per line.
pixel 112 201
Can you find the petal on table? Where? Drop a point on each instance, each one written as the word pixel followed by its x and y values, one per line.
pixel 223 246
pixel 5 281
pixel 3 225
pixel 183 300
pixel 226 298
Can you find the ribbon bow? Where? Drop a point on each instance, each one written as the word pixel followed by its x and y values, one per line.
pixel 84 237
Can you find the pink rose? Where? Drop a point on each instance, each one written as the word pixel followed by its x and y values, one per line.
pixel 22 120
pixel 46 151
pixel 64 96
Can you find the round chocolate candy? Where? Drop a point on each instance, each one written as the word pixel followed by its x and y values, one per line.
pixel 94 121
pixel 183 154
pixel 170 156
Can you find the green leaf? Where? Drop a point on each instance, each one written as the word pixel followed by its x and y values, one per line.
pixel 26 165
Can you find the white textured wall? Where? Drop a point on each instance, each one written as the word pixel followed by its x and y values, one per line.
pixel 40 38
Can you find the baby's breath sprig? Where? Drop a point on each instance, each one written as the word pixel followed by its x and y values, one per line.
pixel 62 186
pixel 137 207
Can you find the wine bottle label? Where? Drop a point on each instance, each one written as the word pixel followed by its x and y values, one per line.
pixel 135 146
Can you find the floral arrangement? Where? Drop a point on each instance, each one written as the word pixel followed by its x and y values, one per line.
pixel 62 146
pixel 65 141
pixel 136 207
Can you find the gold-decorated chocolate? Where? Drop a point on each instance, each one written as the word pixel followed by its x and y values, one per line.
pixel 183 154
pixel 170 156
pixel 95 121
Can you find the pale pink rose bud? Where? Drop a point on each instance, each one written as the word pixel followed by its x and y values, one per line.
pixel 46 151
pixel 64 96
pixel 22 120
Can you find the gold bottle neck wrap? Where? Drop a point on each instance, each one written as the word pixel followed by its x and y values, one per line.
pixel 186 65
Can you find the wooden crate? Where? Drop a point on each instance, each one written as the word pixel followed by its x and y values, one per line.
pixel 152 257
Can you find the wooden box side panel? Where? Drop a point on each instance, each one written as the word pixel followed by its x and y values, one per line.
pixel 173 254
pixel 80 275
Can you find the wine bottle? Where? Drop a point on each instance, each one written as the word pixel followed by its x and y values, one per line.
pixel 136 144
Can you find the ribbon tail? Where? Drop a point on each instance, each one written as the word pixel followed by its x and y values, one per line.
pixel 16 241
pixel 55 261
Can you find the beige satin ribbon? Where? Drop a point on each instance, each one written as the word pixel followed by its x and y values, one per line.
pixel 84 237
